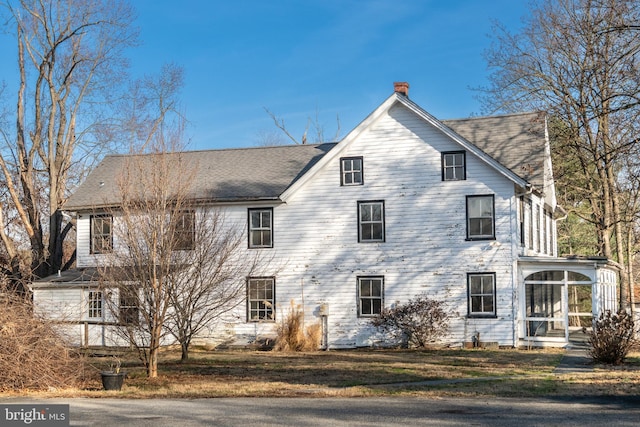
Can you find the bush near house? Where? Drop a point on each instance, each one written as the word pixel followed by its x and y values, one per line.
pixel 612 337
pixel 33 356
pixel 418 323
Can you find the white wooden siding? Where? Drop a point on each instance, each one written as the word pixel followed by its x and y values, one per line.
pixel 317 257
pixel 425 248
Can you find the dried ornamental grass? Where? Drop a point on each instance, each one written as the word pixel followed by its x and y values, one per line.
pixel 292 334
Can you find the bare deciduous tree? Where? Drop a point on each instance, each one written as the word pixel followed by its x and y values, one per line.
pixel 314 124
pixel 154 191
pixel 153 187
pixel 70 64
pixel 179 265
pixel 213 282
pixel 579 61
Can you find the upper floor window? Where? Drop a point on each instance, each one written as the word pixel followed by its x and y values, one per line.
pixel 530 223
pixel 184 229
pixel 538 228
pixel 521 220
pixel 370 291
pixel 545 229
pixel 481 289
pixel 351 171
pixel 261 299
pixel 371 221
pixel 453 166
pixel 480 217
pixel 101 233
pixel 94 299
pixel 551 234
pixel 261 228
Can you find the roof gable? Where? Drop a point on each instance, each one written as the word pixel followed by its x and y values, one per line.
pixel 517 141
pixel 384 108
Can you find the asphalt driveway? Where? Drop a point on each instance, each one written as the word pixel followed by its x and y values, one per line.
pixel 349 412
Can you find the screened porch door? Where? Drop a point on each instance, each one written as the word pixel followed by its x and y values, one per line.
pixel 558 303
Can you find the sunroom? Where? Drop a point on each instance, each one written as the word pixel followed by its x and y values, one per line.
pixel 560 297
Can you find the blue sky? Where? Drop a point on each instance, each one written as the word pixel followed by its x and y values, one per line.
pixel 336 58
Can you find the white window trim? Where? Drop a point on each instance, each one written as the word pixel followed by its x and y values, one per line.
pixel 94 312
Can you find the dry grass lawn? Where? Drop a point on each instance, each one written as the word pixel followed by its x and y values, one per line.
pixel 361 373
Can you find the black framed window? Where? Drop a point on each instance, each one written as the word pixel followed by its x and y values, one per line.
pixel 261 299
pixel 351 171
pixel 530 223
pixel 185 231
pixel 481 291
pixel 101 228
pixel 128 310
pixel 454 166
pixel 552 242
pixel 538 228
pixel 261 228
pixel 371 221
pixel 480 218
pixel 370 295
pixel 521 220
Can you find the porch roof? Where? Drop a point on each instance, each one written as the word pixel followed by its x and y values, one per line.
pixel 564 262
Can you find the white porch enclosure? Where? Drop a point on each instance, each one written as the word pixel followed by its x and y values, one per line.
pixel 562 296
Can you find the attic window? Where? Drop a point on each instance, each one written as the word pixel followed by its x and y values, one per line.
pixel 351 171
pixel 454 166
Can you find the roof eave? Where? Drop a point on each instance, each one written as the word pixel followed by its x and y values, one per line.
pixel 197 201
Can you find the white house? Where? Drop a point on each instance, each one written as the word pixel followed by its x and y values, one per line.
pixel 463 211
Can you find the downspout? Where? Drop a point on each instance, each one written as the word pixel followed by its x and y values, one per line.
pixel 529 189
pixel 565 213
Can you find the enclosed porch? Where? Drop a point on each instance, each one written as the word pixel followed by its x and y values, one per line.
pixel 560 297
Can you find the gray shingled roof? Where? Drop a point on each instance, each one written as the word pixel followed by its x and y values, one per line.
pixel 259 173
pixel 516 141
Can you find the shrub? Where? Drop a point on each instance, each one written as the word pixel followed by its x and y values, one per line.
pixel 293 336
pixel 33 356
pixel 612 337
pixel 417 323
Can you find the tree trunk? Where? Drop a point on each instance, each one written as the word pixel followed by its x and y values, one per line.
pixel 184 345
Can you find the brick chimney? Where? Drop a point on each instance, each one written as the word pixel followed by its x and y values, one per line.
pixel 401 88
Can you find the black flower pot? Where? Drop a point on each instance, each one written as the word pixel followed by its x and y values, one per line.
pixel 112 380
